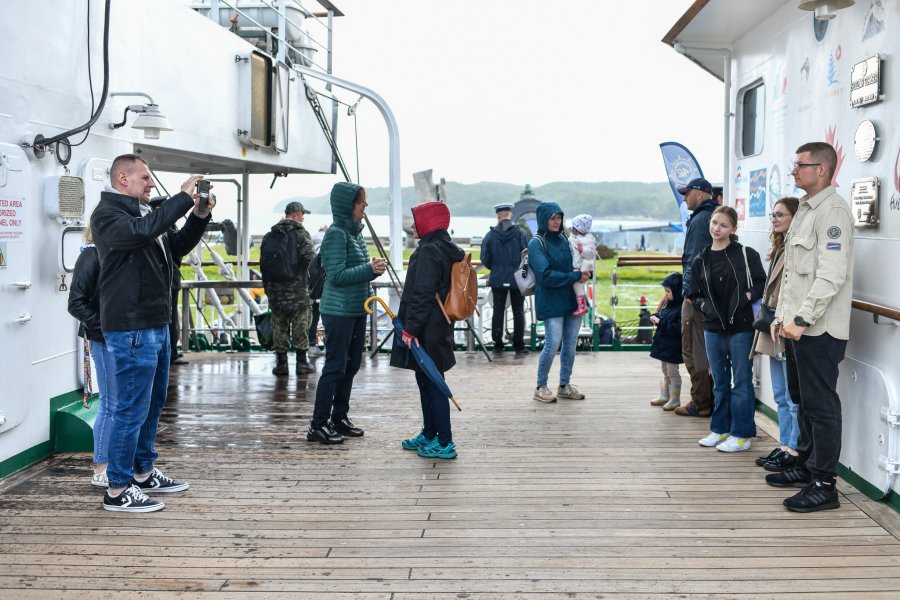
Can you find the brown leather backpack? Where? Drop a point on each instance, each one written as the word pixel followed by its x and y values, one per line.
pixel 462 296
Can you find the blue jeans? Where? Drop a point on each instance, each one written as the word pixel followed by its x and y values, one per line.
pixel 789 428
pixel 345 338
pixel 435 410
pixel 140 366
pixel 108 401
pixel 729 361
pixel 558 330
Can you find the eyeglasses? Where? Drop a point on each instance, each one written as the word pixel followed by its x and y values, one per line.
pixel 801 165
pixel 777 216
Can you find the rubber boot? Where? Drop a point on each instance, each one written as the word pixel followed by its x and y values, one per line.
pixel 674 397
pixel 303 364
pixel 281 365
pixel 582 307
pixel 663 394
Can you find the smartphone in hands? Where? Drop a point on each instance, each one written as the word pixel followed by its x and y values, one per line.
pixel 203 190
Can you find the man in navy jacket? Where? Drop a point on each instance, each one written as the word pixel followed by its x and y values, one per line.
pixel 501 252
pixel 136 249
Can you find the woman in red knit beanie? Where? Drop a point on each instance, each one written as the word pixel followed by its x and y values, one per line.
pixel 425 325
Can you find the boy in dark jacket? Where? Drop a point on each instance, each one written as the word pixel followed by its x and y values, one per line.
pixel 424 325
pixel 666 346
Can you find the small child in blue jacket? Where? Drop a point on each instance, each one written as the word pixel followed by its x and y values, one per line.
pixel 666 345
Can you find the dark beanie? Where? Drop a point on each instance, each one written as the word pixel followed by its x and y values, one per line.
pixel 430 216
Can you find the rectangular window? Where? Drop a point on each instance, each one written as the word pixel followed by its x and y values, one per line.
pixel 752 101
pixel 261 100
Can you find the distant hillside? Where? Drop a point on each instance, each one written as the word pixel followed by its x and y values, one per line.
pixel 603 200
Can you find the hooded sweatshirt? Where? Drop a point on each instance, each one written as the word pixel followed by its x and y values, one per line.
pixel 552 266
pixel 345 258
pixel 666 344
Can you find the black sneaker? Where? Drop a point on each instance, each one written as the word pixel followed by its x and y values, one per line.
pixel 780 463
pixel 158 483
pixel 761 460
pixel 818 495
pixel 794 477
pixel 346 428
pixel 324 434
pixel 132 499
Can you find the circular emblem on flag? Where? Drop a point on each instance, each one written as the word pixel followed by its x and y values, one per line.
pixel 834 232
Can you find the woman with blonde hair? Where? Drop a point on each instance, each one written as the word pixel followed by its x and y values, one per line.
pixel 785 455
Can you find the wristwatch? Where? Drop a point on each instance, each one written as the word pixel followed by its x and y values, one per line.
pixel 798 320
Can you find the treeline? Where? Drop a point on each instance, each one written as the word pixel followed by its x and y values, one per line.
pixel 602 200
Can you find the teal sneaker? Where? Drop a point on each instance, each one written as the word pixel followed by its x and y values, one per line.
pixel 420 441
pixel 436 450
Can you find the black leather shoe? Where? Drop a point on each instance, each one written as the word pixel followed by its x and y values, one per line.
pixel 794 477
pixel 818 495
pixel 522 352
pixel 345 427
pixel 324 435
pixel 780 463
pixel 761 460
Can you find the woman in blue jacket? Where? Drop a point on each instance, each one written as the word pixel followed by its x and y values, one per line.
pixel 551 260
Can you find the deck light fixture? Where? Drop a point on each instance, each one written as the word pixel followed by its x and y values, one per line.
pixel 825 9
pixel 150 119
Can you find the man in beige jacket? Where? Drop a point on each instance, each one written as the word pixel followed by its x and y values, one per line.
pixel 813 315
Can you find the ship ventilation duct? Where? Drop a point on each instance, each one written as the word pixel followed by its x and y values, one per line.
pixel 825 9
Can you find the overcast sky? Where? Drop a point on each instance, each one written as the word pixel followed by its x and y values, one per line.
pixel 519 91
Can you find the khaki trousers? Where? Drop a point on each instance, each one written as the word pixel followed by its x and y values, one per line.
pixel 693 351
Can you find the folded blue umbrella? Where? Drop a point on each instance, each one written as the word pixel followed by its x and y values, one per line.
pixel 426 364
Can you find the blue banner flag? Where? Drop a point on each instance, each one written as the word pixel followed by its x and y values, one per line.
pixel 681 167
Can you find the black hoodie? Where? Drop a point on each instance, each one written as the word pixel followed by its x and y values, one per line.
pixel 735 315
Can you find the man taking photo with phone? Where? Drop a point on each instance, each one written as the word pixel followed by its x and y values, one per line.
pixel 136 249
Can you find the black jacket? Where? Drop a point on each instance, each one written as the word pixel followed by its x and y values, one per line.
pixel 666 345
pixel 501 252
pixel 136 273
pixel 696 238
pixel 84 299
pixel 737 316
pixel 429 272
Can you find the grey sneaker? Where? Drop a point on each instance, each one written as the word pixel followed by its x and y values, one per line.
pixel 569 392
pixel 543 394
pixel 99 480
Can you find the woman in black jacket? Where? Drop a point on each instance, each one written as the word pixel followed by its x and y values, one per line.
pixel 726 279
pixel 84 305
pixel 425 325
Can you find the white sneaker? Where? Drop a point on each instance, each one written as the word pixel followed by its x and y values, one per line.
pixel 734 444
pixel 713 439
pixel 99 480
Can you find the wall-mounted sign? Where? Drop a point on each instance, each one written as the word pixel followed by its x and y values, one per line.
pixel 865 82
pixel 864 202
pixel 865 140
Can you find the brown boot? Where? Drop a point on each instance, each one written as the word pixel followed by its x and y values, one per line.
pixel 690 410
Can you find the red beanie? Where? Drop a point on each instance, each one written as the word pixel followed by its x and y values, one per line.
pixel 430 216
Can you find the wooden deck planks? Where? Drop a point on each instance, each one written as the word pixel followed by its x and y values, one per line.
pixel 602 498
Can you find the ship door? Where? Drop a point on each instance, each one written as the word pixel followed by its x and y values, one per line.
pixel 16 295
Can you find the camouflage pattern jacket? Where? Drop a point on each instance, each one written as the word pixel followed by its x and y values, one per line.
pixel 290 295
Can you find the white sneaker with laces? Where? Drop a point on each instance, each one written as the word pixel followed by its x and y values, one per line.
pixel 734 444
pixel 713 439
pixel 99 480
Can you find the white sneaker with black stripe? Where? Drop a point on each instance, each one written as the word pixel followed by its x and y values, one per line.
pixel 157 483
pixel 132 499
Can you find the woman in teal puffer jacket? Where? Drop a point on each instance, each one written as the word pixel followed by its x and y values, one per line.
pixel 551 260
pixel 348 272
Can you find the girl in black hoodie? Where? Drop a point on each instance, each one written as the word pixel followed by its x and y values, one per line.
pixel 726 279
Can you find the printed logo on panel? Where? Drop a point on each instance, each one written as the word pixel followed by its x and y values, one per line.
pixel 831 138
pixel 873 22
pixel 758 193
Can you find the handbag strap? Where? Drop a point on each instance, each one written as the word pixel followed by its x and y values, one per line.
pixel 747 268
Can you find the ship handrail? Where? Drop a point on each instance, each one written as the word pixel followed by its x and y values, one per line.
pixel 877 310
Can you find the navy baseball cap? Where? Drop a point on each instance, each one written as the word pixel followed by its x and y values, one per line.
pixel 696 184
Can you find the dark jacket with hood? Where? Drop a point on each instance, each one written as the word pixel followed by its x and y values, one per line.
pixel 666 345
pixel 696 238
pixel 345 258
pixel 429 273
pixel 84 296
pixel 136 271
pixel 501 252
pixel 735 315
pixel 291 295
pixel 552 266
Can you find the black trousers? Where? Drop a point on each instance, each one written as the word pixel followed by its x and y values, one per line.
pixel 173 326
pixel 812 374
pixel 345 339
pixel 314 324
pixel 498 321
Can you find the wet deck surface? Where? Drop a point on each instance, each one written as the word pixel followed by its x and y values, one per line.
pixel 605 498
